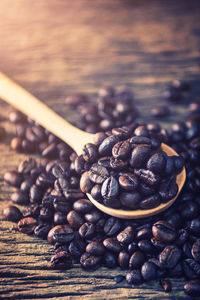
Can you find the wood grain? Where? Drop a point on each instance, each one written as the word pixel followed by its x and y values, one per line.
pixel 54 48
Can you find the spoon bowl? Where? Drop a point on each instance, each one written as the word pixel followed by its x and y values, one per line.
pixel 22 100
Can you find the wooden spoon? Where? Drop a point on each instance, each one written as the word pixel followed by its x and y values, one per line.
pixel 76 138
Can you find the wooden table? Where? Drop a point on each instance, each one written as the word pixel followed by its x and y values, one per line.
pixel 56 47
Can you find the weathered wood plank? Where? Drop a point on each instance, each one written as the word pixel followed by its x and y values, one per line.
pixel 54 48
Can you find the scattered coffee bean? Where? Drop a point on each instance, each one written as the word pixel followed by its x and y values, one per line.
pixel 12 213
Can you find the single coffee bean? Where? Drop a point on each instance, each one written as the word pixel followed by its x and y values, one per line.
pixel 123 259
pixel 12 213
pixel 134 277
pixel 27 225
pixel 61 260
pixel 160 111
pixel 77 246
pixel 117 164
pixel 35 194
pixel 87 230
pixel 191 268
pixel 194 226
pixel 147 177
pixel 192 288
pixel 61 204
pixel 121 150
pixel 126 236
pixel 163 231
pixel 93 216
pixel 158 244
pixel 110 260
pixel 146 246
pixel 32 210
pixel 168 189
pixel 112 226
pixel 95 248
pixel 98 174
pixel 90 153
pixel 106 146
pixel 112 245
pixel 89 261
pixel 26 185
pixel 74 219
pixel 13 178
pixel 59 218
pixel 189 210
pixel 181 237
pixel 61 185
pixel 46 214
pixel 139 155
pixel 42 230
pixel 150 202
pixel 110 188
pixel 149 271
pixel 175 220
pixel 128 181
pixel 61 234
pixel 27 165
pixel 82 205
pixel 144 233
pixel 130 199
pixel 136 260
pixel 196 250
pixel 96 192
pixel 19 197
pixel 170 256
pixel 156 163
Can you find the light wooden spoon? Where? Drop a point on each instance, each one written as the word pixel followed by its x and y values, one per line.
pixel 76 138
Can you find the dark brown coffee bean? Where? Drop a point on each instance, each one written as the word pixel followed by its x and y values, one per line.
pixel 61 204
pixel 146 190
pixel 115 203
pixel 121 150
pixel 13 178
pixel 196 250
pixel 160 111
pixel 61 185
pixel 95 248
pixel 50 151
pixel 27 225
pixel 90 262
pixel 46 214
pixel 191 268
pixel 147 177
pixel 74 194
pixel 87 230
pixel 168 189
pixel 96 192
pixel 139 155
pixel 19 197
pixel 117 164
pixel 128 181
pixel 35 194
pixel 45 180
pixel 126 236
pixel 139 140
pixel 61 169
pixel 59 218
pixel 189 210
pixel 134 277
pixel 149 271
pixel 170 256
pixel 74 219
pixel 82 205
pixel 144 233
pixel 110 260
pixel 123 259
pixel 61 234
pixel 16 144
pixel 90 153
pixel 26 185
pixel 194 225
pixel 77 246
pixel 98 174
pixel 192 288
pixel 27 165
pixel 42 230
pixel 181 237
pixel 158 244
pixel 61 261
pixel 93 216
pixel 122 132
pixel 130 199
pixel 146 246
pixel 136 260
pixel 112 245
pixel 12 213
pixel 164 232
pixel 156 163
pixel 150 202
pixel 110 188
pixel 32 210
pixel 112 226
pixel 17 117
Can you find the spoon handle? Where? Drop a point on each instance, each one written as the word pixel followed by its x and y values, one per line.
pixel 22 100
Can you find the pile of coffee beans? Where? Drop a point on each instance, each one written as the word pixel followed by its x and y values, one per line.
pixel 129 169
pixel 160 247
pixel 110 109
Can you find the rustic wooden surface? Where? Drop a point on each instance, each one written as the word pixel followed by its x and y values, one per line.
pixel 56 47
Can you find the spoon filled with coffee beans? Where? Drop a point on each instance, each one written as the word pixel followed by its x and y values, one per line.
pixel 127 172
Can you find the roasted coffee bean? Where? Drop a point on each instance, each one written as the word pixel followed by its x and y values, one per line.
pixel 42 230
pixel 187 249
pixel 26 185
pixel 27 225
pixel 27 165
pixel 126 236
pixel 77 246
pixel 61 204
pixel 105 161
pixel 160 111
pixel 122 132
pixel 196 250
pixel 32 210
pixel 112 245
pixel 158 244
pixel 16 144
pixel 112 226
pixel 134 277
pixel 118 164
pixel 61 234
pixel 46 214
pixel 74 194
pixel 115 203
pixel 163 231
pixel 128 181
pixel 61 260
pixel 168 189
pixel 170 256
pixel 61 169
pixel 130 199
pixel 74 219
pixel 98 174
pixel 35 194
pixel 89 261
pixel 146 246
pixel 146 190
pixel 139 140
pixel 191 268
pixel 45 180
pixel 17 117
pixel 12 213
pixel 189 210
pixel 95 248
pixel 150 202
pixel 93 216
pixel 136 260
pixel 110 260
pixel 192 288
pixel 144 233
pixel 13 178
pixel 156 163
pixel 141 130
pixel 123 259
pixel 61 185
pixel 149 271
pixel 182 237
pixel 19 197
pixel 79 165
pixel 96 192
pixel 59 218
pixel 177 271
pixel 147 177
pixel 85 183
pixel 87 230
pixel 175 220
pixel 121 150
pixel 139 155
pixel 90 153
pixel 194 226
pixel 99 137
pixel 110 188
pixel 105 147
pixel 166 285
pixel 82 205
pixel 50 151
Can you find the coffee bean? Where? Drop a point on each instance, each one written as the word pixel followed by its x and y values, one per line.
pixel 149 271
pixel 89 261
pixel 32 210
pixel 128 181
pixel 61 234
pixel 73 195
pixel 160 111
pixel 168 189
pixel 144 233
pixel 158 244
pixel 156 163
pixel 74 219
pixel 181 237
pixel 27 165
pixel 136 260
pixel 121 150
pixel 17 117
pixel 19 197
pixel 12 213
pixel 112 226
pixel 117 164
pixel 61 204
pixel 42 230
pixel 134 277
pixel 164 232
pixel 27 225
pixel 194 226
pixel 170 256
pixel 123 259
pixel 196 250
pixel 90 153
pixel 110 188
pixel 130 199
pixel 61 185
pixel 82 205
pixel 13 178
pixel 77 246
pixel 146 246
pixel 61 260
pixel 96 192
pixel 192 288
pixel 93 216
pixel 126 236
pixel 110 260
pixel 139 155
pixel 26 185
pixel 150 202
pixel 189 210
pixel 95 248
pixel 46 214
pixel 191 268
pixel 147 177
pixel 112 245
pixel 87 230
pixel 59 218
pixel 98 174
pixel 177 271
